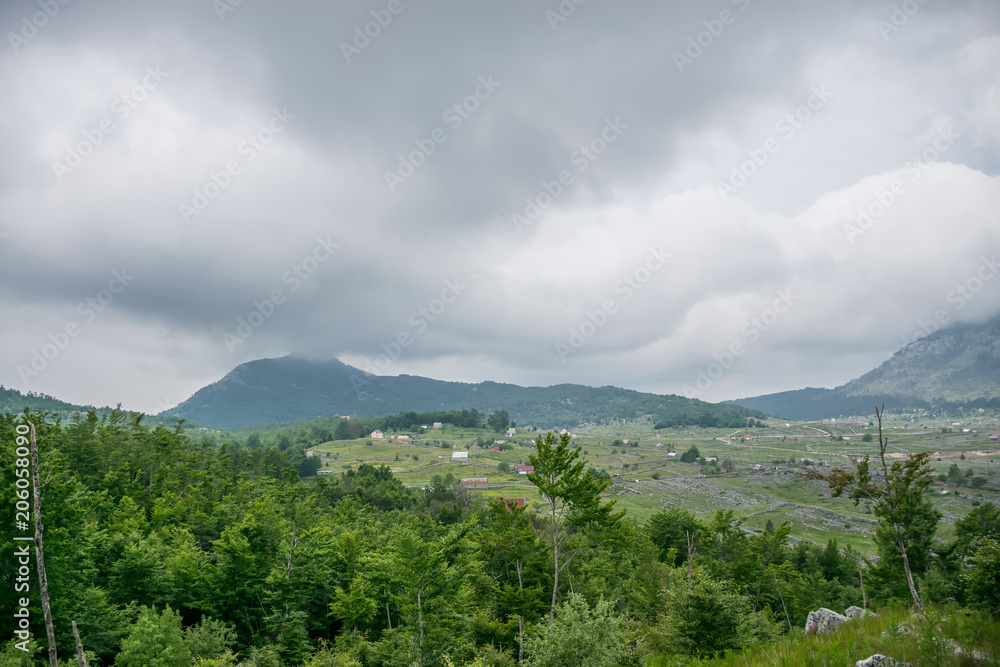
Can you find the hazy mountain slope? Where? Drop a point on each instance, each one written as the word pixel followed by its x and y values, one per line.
pixel 960 364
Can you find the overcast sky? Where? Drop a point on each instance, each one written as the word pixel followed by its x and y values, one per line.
pixel 527 191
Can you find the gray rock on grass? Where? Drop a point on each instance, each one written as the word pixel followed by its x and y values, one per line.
pixel 823 621
pixel 879 660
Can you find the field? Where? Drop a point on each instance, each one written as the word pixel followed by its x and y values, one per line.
pixel 766 481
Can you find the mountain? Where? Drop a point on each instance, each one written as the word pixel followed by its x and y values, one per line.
pixel 13 401
pixel 959 365
pixel 288 389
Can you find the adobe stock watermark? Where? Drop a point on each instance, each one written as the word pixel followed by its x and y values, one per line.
pixel 87 310
pixel 363 35
pixel 750 332
pixel 122 107
pixel 295 276
pixel 787 125
pixel 899 17
pixel 30 27
pixel 248 149
pixel 962 293
pixel 714 28
pixel 223 7
pixel 454 116
pixel 419 321
pixel 581 158
pixel 884 199
pixel 565 9
pixel 627 287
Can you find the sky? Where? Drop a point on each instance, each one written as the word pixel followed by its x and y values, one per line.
pixel 717 199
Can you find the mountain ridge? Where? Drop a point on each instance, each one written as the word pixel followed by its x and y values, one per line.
pixel 287 389
pixel 955 365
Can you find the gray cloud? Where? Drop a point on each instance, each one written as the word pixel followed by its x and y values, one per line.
pixel 688 119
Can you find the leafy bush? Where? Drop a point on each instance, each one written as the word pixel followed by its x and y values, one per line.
pixel 582 637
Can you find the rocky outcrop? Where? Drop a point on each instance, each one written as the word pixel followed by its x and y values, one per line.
pixel 851 612
pixel 879 660
pixel 823 620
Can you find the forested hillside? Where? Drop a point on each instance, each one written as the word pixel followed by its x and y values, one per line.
pixel 14 401
pixel 288 389
pixel 167 551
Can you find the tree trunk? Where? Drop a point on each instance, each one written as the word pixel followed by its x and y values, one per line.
pixel 690 542
pixel 909 575
pixel 420 619
pixel 555 556
pixel 43 582
pixel 520 618
pixel 81 659
pixel 864 596
pixel 783 605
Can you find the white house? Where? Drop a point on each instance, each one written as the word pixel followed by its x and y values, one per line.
pixel 511 432
pixel 460 456
pixel 437 425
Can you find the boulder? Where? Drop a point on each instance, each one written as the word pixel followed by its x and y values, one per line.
pixel 879 660
pixel 851 612
pixel 824 620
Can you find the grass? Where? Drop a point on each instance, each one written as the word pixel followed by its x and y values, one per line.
pixel 929 638
pixel 755 495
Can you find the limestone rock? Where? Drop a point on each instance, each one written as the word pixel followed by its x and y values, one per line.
pixel 879 660
pixel 851 612
pixel 824 620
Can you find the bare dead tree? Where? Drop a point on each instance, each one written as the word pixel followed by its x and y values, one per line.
pixel 43 581
pixel 690 545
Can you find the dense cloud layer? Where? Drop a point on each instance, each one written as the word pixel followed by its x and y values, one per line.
pixel 525 192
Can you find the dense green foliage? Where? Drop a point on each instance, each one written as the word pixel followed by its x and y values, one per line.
pixel 169 551
pixel 270 391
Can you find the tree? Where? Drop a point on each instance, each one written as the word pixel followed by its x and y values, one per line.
pixel 573 499
pixel 499 421
pixel 691 455
pixel 156 640
pixel 668 529
pixel 511 541
pixel 867 437
pixel 583 637
pixel 905 517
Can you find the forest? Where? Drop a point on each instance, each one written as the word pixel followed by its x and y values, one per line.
pixel 168 551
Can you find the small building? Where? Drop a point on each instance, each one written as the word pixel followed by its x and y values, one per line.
pixel 672 455
pixel 376 435
pixel 401 438
pixel 511 432
pixel 310 452
pixel 995 436
pixel 476 483
pixel 524 470
pixel 460 456
pixel 437 425
pixel 617 479
pixel 727 466
pixel 511 502
pixel 324 472
pixel 633 467
pixel 495 448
